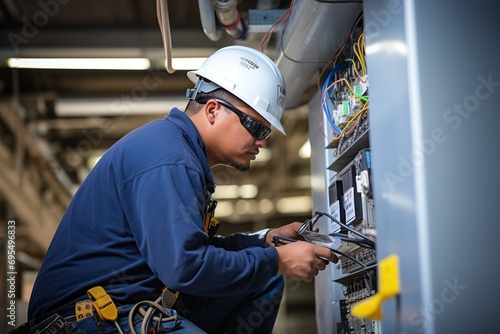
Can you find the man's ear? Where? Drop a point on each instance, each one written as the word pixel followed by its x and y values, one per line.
pixel 211 109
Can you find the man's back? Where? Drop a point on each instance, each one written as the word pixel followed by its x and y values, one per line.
pixel 97 242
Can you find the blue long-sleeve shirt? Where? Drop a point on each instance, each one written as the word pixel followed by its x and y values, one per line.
pixel 136 225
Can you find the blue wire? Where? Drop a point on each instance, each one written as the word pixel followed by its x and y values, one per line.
pixel 326 109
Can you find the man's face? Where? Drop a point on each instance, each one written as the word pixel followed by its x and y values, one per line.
pixel 237 146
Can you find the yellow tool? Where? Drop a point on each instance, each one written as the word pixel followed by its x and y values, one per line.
pixel 211 224
pixel 104 306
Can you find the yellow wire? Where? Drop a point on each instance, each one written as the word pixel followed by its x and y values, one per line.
pixel 362 51
pixel 350 121
pixel 355 68
pixel 348 84
pixel 358 49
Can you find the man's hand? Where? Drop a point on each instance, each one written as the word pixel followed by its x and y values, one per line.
pixel 303 260
pixel 287 231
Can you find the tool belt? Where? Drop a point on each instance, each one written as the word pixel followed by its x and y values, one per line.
pixel 102 308
pixel 55 324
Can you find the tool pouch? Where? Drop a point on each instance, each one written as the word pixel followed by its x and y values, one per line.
pixel 211 224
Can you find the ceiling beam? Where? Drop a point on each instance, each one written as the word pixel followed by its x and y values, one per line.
pixel 103 42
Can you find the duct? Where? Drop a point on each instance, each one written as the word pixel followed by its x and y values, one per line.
pixel 312 34
pixel 207 16
pixel 229 18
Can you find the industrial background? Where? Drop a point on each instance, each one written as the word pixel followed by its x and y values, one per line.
pixel 55 123
pixel 418 104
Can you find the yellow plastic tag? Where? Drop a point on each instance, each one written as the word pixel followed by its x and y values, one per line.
pixel 103 304
pixel 389 287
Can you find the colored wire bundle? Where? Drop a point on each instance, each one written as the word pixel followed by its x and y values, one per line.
pixel 337 86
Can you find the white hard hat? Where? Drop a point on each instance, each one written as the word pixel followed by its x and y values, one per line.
pixel 249 75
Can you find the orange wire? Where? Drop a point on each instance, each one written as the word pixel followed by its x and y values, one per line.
pixel 318 81
pixel 269 33
pixel 351 130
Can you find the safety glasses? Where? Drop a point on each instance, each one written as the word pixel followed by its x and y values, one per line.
pixel 256 128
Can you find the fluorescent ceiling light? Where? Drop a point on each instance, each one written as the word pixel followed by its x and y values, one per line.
pixel 266 206
pixel 227 208
pixel 244 207
pixel 226 191
pixel 122 107
pixel 188 64
pixel 234 191
pixel 294 204
pixel 81 63
pixel 224 209
pixel 248 191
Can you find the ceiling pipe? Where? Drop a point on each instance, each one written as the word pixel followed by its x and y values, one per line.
pixel 312 34
pixel 208 23
pixel 230 19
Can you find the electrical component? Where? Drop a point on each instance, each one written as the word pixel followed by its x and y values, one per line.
pixel 345 102
pixel 336 203
pixel 359 263
pixel 351 196
pixel 363 170
pixel 357 288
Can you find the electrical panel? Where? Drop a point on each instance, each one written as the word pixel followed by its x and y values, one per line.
pixel 426 267
pixel 357 274
pixel 345 107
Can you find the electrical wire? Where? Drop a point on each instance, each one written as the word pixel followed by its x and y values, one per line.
pixel 336 129
pixel 355 67
pixel 356 52
pixel 358 49
pixel 336 82
pixel 325 108
pixel 278 241
pixel 344 130
pixel 271 30
pixel 355 126
pixel 339 52
pixel 345 238
pixel 326 88
pixel 308 224
pixel 164 23
pixel 335 220
pixel 149 313
pixel 336 251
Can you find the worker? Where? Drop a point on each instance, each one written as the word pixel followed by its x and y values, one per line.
pixel 140 231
